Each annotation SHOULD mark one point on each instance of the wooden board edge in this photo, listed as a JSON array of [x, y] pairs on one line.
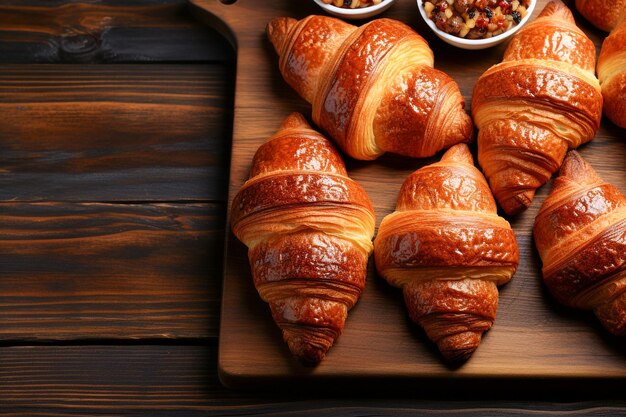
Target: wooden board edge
[[216, 15], [213, 12]]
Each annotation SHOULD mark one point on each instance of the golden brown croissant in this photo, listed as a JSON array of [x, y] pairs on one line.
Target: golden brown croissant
[[541, 100], [448, 249], [604, 14], [580, 233], [373, 88], [309, 229], [612, 74]]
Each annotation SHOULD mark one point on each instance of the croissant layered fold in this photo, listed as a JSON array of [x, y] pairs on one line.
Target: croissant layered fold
[[309, 229], [580, 233], [372, 88], [447, 248], [612, 74], [542, 100]]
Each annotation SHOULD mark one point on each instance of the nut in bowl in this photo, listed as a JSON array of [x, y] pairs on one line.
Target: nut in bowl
[[354, 9], [475, 24]]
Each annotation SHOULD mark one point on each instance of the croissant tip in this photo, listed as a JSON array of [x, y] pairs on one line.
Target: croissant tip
[[577, 169], [277, 30], [307, 353], [517, 203], [458, 348], [572, 162], [459, 153], [557, 7], [294, 120], [612, 315], [458, 357]]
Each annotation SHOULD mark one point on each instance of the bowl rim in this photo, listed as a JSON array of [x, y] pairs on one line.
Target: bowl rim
[[353, 12], [464, 41]]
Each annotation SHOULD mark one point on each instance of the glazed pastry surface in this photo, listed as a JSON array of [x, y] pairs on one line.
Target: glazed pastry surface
[[448, 249], [542, 100], [612, 74], [580, 233], [308, 228], [373, 88]]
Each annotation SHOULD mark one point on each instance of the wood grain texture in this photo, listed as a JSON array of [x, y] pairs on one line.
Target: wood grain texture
[[137, 31], [178, 378], [532, 337], [114, 132], [170, 380], [89, 380], [88, 271]]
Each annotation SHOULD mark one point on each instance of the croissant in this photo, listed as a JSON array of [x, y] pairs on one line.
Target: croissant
[[309, 229], [541, 100], [604, 14], [448, 249], [612, 74], [373, 88], [580, 233]]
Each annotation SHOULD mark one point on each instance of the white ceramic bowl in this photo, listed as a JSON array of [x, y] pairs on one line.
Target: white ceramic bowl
[[356, 13], [475, 43]]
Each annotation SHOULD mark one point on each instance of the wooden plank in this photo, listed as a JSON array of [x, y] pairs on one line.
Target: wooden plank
[[532, 337], [171, 380], [90, 380], [114, 132], [108, 31], [93, 271]]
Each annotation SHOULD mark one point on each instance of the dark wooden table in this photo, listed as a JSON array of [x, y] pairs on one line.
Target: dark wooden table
[[115, 125]]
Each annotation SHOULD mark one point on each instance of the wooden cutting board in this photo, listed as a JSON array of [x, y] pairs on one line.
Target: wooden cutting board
[[532, 336]]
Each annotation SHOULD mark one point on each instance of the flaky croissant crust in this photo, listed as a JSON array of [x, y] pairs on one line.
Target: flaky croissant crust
[[445, 217], [612, 74], [447, 248], [372, 88], [580, 233], [308, 228], [542, 100]]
